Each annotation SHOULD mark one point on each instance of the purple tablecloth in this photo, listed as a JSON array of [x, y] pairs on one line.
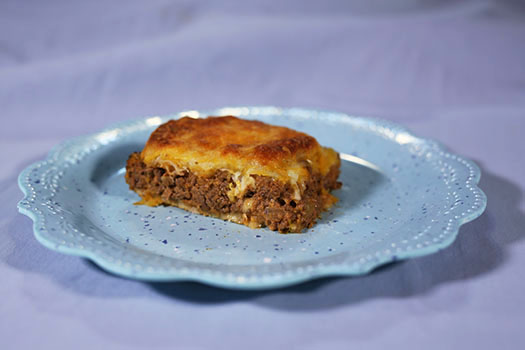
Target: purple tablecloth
[[450, 70]]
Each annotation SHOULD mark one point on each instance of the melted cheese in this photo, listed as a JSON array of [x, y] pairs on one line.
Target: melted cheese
[[243, 147]]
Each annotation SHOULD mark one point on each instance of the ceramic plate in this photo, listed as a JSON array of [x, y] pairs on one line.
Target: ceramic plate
[[402, 197]]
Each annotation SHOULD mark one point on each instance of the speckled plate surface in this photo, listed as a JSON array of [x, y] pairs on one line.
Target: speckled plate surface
[[402, 197]]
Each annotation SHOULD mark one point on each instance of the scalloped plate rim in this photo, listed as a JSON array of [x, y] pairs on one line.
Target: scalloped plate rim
[[270, 281]]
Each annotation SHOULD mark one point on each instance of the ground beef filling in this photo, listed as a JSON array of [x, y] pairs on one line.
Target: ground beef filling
[[271, 203]]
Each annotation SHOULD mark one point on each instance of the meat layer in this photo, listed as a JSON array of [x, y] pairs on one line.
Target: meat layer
[[266, 202]]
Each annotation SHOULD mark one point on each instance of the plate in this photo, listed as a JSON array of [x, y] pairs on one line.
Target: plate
[[402, 197]]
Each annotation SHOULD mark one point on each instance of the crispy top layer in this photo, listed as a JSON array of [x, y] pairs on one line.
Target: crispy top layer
[[246, 146]]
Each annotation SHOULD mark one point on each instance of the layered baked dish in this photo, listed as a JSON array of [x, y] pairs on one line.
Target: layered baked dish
[[244, 171]]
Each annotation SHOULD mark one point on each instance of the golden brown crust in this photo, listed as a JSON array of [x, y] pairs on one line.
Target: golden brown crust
[[231, 135], [238, 145]]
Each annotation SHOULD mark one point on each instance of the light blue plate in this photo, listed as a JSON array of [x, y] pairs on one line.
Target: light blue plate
[[402, 197]]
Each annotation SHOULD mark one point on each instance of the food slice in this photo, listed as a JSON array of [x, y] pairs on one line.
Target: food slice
[[245, 171]]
